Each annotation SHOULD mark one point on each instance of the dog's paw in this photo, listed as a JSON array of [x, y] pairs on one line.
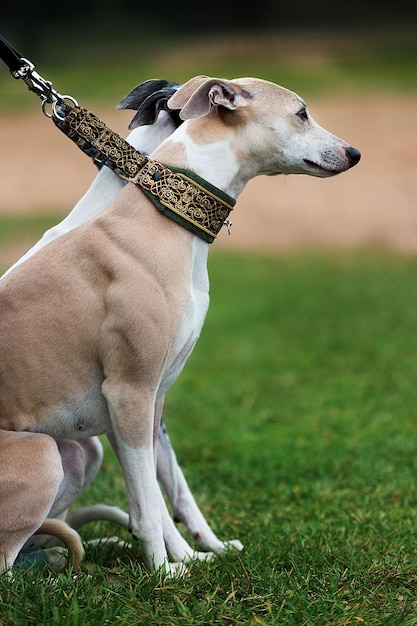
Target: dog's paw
[[198, 556], [56, 557], [174, 570], [233, 544]]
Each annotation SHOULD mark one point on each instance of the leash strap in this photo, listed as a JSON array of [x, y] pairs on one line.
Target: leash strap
[[98, 141], [183, 196], [10, 56]]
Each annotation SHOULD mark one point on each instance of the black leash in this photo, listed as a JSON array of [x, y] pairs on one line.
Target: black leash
[[181, 195], [10, 56]]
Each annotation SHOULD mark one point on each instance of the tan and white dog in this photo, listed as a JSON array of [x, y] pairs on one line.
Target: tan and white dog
[[97, 325], [81, 460]]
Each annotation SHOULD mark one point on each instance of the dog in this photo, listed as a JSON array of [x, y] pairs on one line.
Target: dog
[[151, 124], [100, 322]]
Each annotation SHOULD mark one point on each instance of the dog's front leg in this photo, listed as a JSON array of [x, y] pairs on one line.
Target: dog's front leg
[[144, 504], [134, 449], [184, 506], [178, 548]]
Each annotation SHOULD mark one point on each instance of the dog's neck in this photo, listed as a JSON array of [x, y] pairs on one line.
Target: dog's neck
[[215, 161], [184, 196]]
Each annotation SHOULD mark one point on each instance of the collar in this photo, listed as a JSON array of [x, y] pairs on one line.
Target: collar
[[186, 198], [179, 194]]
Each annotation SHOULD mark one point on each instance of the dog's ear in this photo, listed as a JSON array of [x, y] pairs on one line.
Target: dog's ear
[[148, 99], [196, 97], [183, 94]]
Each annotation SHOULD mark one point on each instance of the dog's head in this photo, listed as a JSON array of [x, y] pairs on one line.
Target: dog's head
[[272, 125]]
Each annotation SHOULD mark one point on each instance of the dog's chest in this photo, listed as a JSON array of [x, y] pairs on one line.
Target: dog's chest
[[192, 318]]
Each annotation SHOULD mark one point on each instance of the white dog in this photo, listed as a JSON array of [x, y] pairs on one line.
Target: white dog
[[99, 323]]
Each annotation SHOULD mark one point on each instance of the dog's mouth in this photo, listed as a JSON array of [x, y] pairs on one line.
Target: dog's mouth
[[324, 171]]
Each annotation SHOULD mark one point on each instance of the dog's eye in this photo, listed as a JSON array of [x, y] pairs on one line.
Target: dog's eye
[[302, 114]]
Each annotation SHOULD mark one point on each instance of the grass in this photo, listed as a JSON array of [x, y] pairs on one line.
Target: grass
[[294, 422], [26, 227]]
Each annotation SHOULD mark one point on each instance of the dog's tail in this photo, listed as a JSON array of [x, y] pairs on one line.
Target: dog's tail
[[70, 538]]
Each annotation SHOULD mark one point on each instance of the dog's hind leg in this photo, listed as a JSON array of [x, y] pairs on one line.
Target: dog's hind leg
[[184, 506], [28, 488], [81, 460]]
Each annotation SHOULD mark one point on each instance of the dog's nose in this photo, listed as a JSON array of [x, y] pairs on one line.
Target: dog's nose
[[353, 155]]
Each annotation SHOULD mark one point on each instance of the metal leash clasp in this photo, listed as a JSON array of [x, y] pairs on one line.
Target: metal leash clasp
[[35, 82], [43, 88]]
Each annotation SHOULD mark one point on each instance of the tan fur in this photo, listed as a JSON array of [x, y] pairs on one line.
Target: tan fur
[[26, 454], [71, 539], [125, 271]]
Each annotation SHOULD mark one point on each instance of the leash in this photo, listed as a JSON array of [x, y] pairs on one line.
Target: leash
[[180, 194]]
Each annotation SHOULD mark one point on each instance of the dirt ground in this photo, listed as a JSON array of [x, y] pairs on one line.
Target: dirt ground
[[373, 204]]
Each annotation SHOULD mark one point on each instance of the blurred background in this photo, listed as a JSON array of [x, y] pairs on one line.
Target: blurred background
[[107, 30], [355, 63]]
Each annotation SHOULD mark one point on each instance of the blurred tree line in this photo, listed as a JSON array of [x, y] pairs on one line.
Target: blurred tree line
[[35, 26]]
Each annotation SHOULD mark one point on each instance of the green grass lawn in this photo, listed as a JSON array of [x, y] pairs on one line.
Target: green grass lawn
[[294, 422]]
